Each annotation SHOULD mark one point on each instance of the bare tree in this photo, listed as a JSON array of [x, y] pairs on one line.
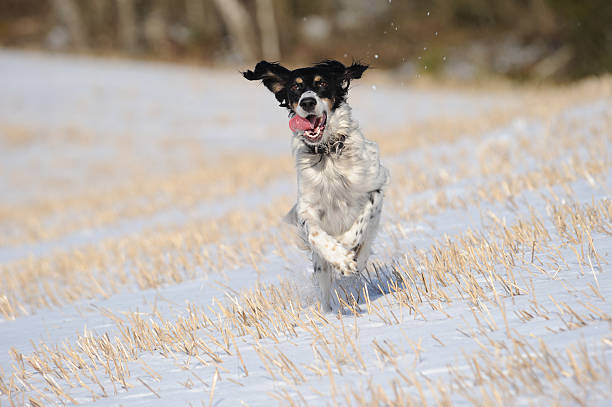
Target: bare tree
[[240, 27], [155, 28], [266, 20], [67, 13], [202, 18], [127, 25], [196, 14]]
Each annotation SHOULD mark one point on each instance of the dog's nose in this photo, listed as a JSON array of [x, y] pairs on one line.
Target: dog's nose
[[308, 104]]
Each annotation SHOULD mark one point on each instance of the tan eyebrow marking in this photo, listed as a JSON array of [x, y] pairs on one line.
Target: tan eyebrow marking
[[317, 78], [299, 80]]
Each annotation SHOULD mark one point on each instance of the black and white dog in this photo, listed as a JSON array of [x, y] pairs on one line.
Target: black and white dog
[[340, 177]]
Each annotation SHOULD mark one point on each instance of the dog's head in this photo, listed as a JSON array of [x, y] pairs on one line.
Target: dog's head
[[312, 93]]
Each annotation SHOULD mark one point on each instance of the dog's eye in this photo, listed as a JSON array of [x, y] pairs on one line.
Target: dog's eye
[[322, 84], [295, 87]]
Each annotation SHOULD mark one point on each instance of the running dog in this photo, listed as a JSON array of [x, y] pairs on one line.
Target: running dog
[[340, 177]]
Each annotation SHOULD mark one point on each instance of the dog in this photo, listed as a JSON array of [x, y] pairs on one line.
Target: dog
[[340, 177]]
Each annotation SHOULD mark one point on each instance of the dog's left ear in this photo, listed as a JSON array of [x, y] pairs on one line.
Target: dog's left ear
[[354, 71], [273, 75]]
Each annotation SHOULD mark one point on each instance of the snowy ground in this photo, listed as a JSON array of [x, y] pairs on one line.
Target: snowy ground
[[142, 259]]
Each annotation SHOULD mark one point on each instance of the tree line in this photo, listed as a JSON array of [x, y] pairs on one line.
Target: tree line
[[562, 39]]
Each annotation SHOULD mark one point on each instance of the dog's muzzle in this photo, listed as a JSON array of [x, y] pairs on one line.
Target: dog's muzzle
[[312, 126], [310, 117]]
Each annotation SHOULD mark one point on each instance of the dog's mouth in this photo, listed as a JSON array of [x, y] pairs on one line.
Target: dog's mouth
[[313, 126]]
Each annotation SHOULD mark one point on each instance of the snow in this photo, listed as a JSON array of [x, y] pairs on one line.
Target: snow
[[90, 125]]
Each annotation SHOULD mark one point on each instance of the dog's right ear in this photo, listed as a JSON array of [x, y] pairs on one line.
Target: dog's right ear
[[273, 75]]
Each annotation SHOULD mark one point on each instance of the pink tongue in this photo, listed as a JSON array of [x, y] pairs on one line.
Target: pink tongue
[[298, 123]]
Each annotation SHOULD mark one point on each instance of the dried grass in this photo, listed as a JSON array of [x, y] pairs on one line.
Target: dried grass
[[484, 270]]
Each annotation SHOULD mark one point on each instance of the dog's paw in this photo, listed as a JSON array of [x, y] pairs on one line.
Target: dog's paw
[[347, 266]]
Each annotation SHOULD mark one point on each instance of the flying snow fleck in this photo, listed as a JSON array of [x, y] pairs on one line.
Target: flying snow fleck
[[375, 56], [373, 87]]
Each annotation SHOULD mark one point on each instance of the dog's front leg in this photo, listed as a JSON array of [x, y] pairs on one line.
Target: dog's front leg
[[326, 246], [353, 237]]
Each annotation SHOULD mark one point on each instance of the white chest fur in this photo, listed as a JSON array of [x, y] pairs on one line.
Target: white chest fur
[[329, 189], [335, 187]]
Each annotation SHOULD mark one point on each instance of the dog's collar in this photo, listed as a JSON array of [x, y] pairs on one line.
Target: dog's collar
[[333, 146]]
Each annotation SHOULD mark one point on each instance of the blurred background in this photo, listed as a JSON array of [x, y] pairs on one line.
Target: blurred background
[[551, 40]]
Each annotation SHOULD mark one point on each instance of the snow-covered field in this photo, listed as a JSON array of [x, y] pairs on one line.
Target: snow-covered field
[[143, 260]]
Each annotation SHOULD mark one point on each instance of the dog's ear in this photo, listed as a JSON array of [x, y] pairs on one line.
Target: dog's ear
[[337, 68], [354, 71], [273, 75]]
